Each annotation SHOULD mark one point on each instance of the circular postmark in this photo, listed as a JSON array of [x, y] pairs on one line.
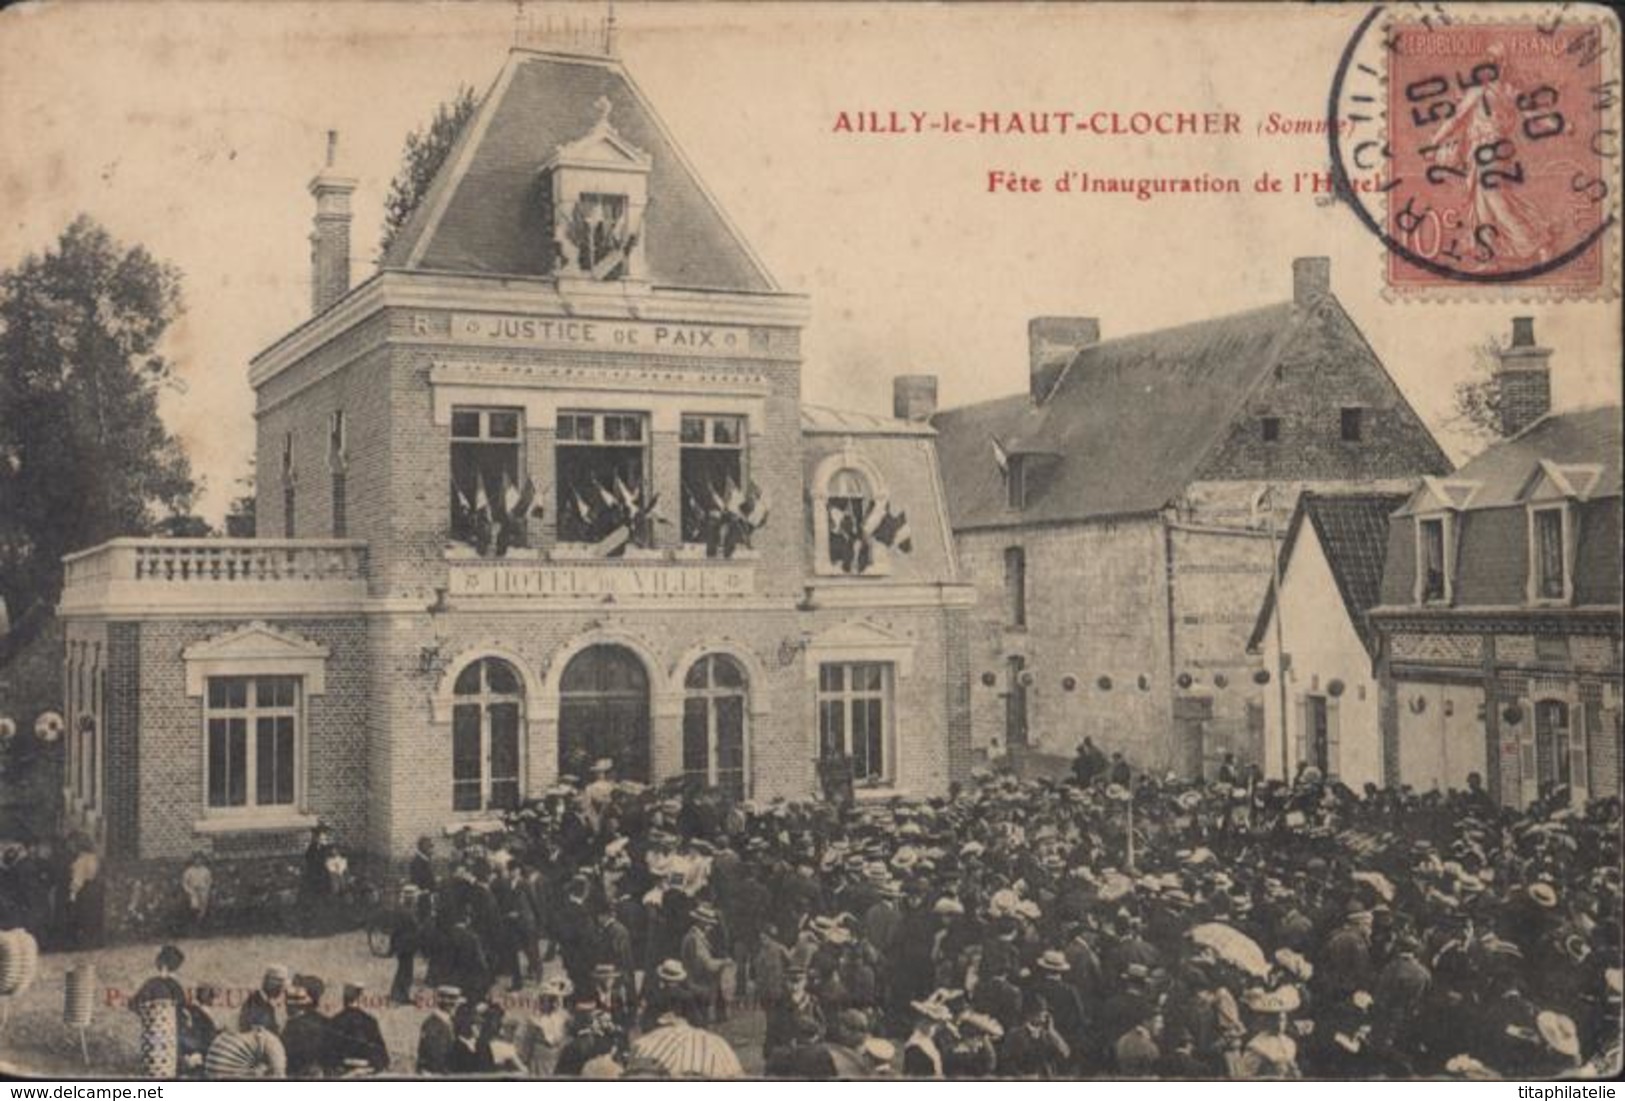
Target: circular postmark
[[1479, 151]]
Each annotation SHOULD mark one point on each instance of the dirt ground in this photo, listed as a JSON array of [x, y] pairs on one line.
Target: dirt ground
[[35, 1041]]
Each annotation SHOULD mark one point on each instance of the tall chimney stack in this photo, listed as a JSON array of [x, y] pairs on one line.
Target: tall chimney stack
[[330, 237], [1523, 378], [1311, 279], [914, 397], [1052, 343]]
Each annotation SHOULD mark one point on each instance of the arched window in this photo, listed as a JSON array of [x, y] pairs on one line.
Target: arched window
[[849, 503], [604, 712], [487, 715], [714, 707]]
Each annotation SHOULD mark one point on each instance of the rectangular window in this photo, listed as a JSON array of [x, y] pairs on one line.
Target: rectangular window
[[1015, 482], [602, 475], [1551, 564], [1353, 423], [1015, 586], [854, 716], [713, 475], [1270, 429], [485, 463], [253, 739], [1432, 563], [341, 520]]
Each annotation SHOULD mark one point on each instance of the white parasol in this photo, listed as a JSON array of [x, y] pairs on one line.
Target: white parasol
[[1377, 882], [688, 1052], [1232, 946]]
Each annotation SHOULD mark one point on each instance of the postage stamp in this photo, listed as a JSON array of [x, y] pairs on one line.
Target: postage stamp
[[1499, 143]]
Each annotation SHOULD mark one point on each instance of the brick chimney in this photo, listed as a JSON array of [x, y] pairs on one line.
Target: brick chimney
[[330, 238], [1311, 279], [914, 397], [1052, 342], [1523, 378]]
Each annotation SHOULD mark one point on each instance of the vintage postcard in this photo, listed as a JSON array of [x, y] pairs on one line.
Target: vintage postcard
[[804, 541]]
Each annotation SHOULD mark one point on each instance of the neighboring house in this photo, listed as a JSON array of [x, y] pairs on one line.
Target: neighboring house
[[1331, 575], [1500, 618], [1117, 517], [539, 492]]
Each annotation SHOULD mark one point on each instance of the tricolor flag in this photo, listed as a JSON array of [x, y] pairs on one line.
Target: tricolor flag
[[894, 531], [1001, 456]]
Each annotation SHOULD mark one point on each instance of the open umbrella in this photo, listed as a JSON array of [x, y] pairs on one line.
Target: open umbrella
[[1232, 946], [688, 1052]]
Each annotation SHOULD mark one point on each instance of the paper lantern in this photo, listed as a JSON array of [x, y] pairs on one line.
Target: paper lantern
[[1105, 683], [1334, 688], [79, 995], [989, 680], [1512, 713], [1026, 678], [1144, 683], [1220, 680], [160, 1052], [1185, 680], [19, 961], [1418, 704], [1069, 683], [1261, 677]]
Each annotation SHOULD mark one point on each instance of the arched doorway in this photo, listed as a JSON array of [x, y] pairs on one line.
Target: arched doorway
[[604, 712], [715, 696]]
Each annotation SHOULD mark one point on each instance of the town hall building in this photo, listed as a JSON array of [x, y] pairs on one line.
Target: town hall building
[[539, 492]]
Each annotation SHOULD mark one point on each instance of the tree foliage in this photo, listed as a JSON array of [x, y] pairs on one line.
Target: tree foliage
[[425, 151], [1476, 405], [84, 456]]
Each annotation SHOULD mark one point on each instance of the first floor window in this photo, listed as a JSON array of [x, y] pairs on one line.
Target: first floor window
[[1015, 586], [713, 475], [602, 463], [854, 716], [253, 735], [485, 466], [486, 719]]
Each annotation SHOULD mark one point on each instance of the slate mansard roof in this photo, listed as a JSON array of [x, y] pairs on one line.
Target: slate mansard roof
[[1501, 473], [1129, 421], [1353, 533], [484, 212]]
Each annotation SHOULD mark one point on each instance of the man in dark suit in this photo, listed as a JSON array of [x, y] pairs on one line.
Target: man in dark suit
[[421, 871], [264, 1007], [305, 1036], [355, 1040], [437, 1037]]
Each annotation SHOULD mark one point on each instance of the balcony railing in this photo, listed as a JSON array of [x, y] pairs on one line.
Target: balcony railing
[[157, 575]]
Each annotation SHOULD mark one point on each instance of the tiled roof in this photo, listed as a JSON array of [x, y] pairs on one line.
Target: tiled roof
[[1353, 533], [1128, 424], [820, 419], [483, 213]]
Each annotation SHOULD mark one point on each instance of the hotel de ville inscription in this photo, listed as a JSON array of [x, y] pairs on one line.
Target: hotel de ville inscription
[[564, 582]]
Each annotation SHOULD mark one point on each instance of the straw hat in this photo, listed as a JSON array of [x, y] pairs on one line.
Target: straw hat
[[672, 971], [1282, 1000], [1544, 895], [1053, 960], [1559, 1033], [933, 1008]]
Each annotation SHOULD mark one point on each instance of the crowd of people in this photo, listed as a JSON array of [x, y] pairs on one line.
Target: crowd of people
[[1111, 925]]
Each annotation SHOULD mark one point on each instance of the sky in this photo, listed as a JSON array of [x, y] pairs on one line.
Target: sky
[[193, 128]]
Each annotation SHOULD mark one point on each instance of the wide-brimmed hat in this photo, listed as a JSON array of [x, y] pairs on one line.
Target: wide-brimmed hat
[[1295, 964], [556, 987], [948, 905], [277, 973], [933, 1008], [1281, 1000], [1559, 1033], [608, 970], [1543, 894], [448, 994], [982, 1023], [672, 971], [706, 914], [1054, 960], [878, 1050]]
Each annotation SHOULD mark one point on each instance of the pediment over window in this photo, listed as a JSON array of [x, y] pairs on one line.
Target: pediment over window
[[1560, 482], [860, 640], [596, 190], [257, 649], [600, 147], [1442, 495]]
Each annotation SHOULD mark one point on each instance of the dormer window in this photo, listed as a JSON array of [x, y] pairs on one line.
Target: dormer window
[[854, 527], [1549, 554], [1432, 560], [1015, 482], [596, 190]]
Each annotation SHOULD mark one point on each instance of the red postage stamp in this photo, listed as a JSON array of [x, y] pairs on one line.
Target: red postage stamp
[[1501, 149]]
